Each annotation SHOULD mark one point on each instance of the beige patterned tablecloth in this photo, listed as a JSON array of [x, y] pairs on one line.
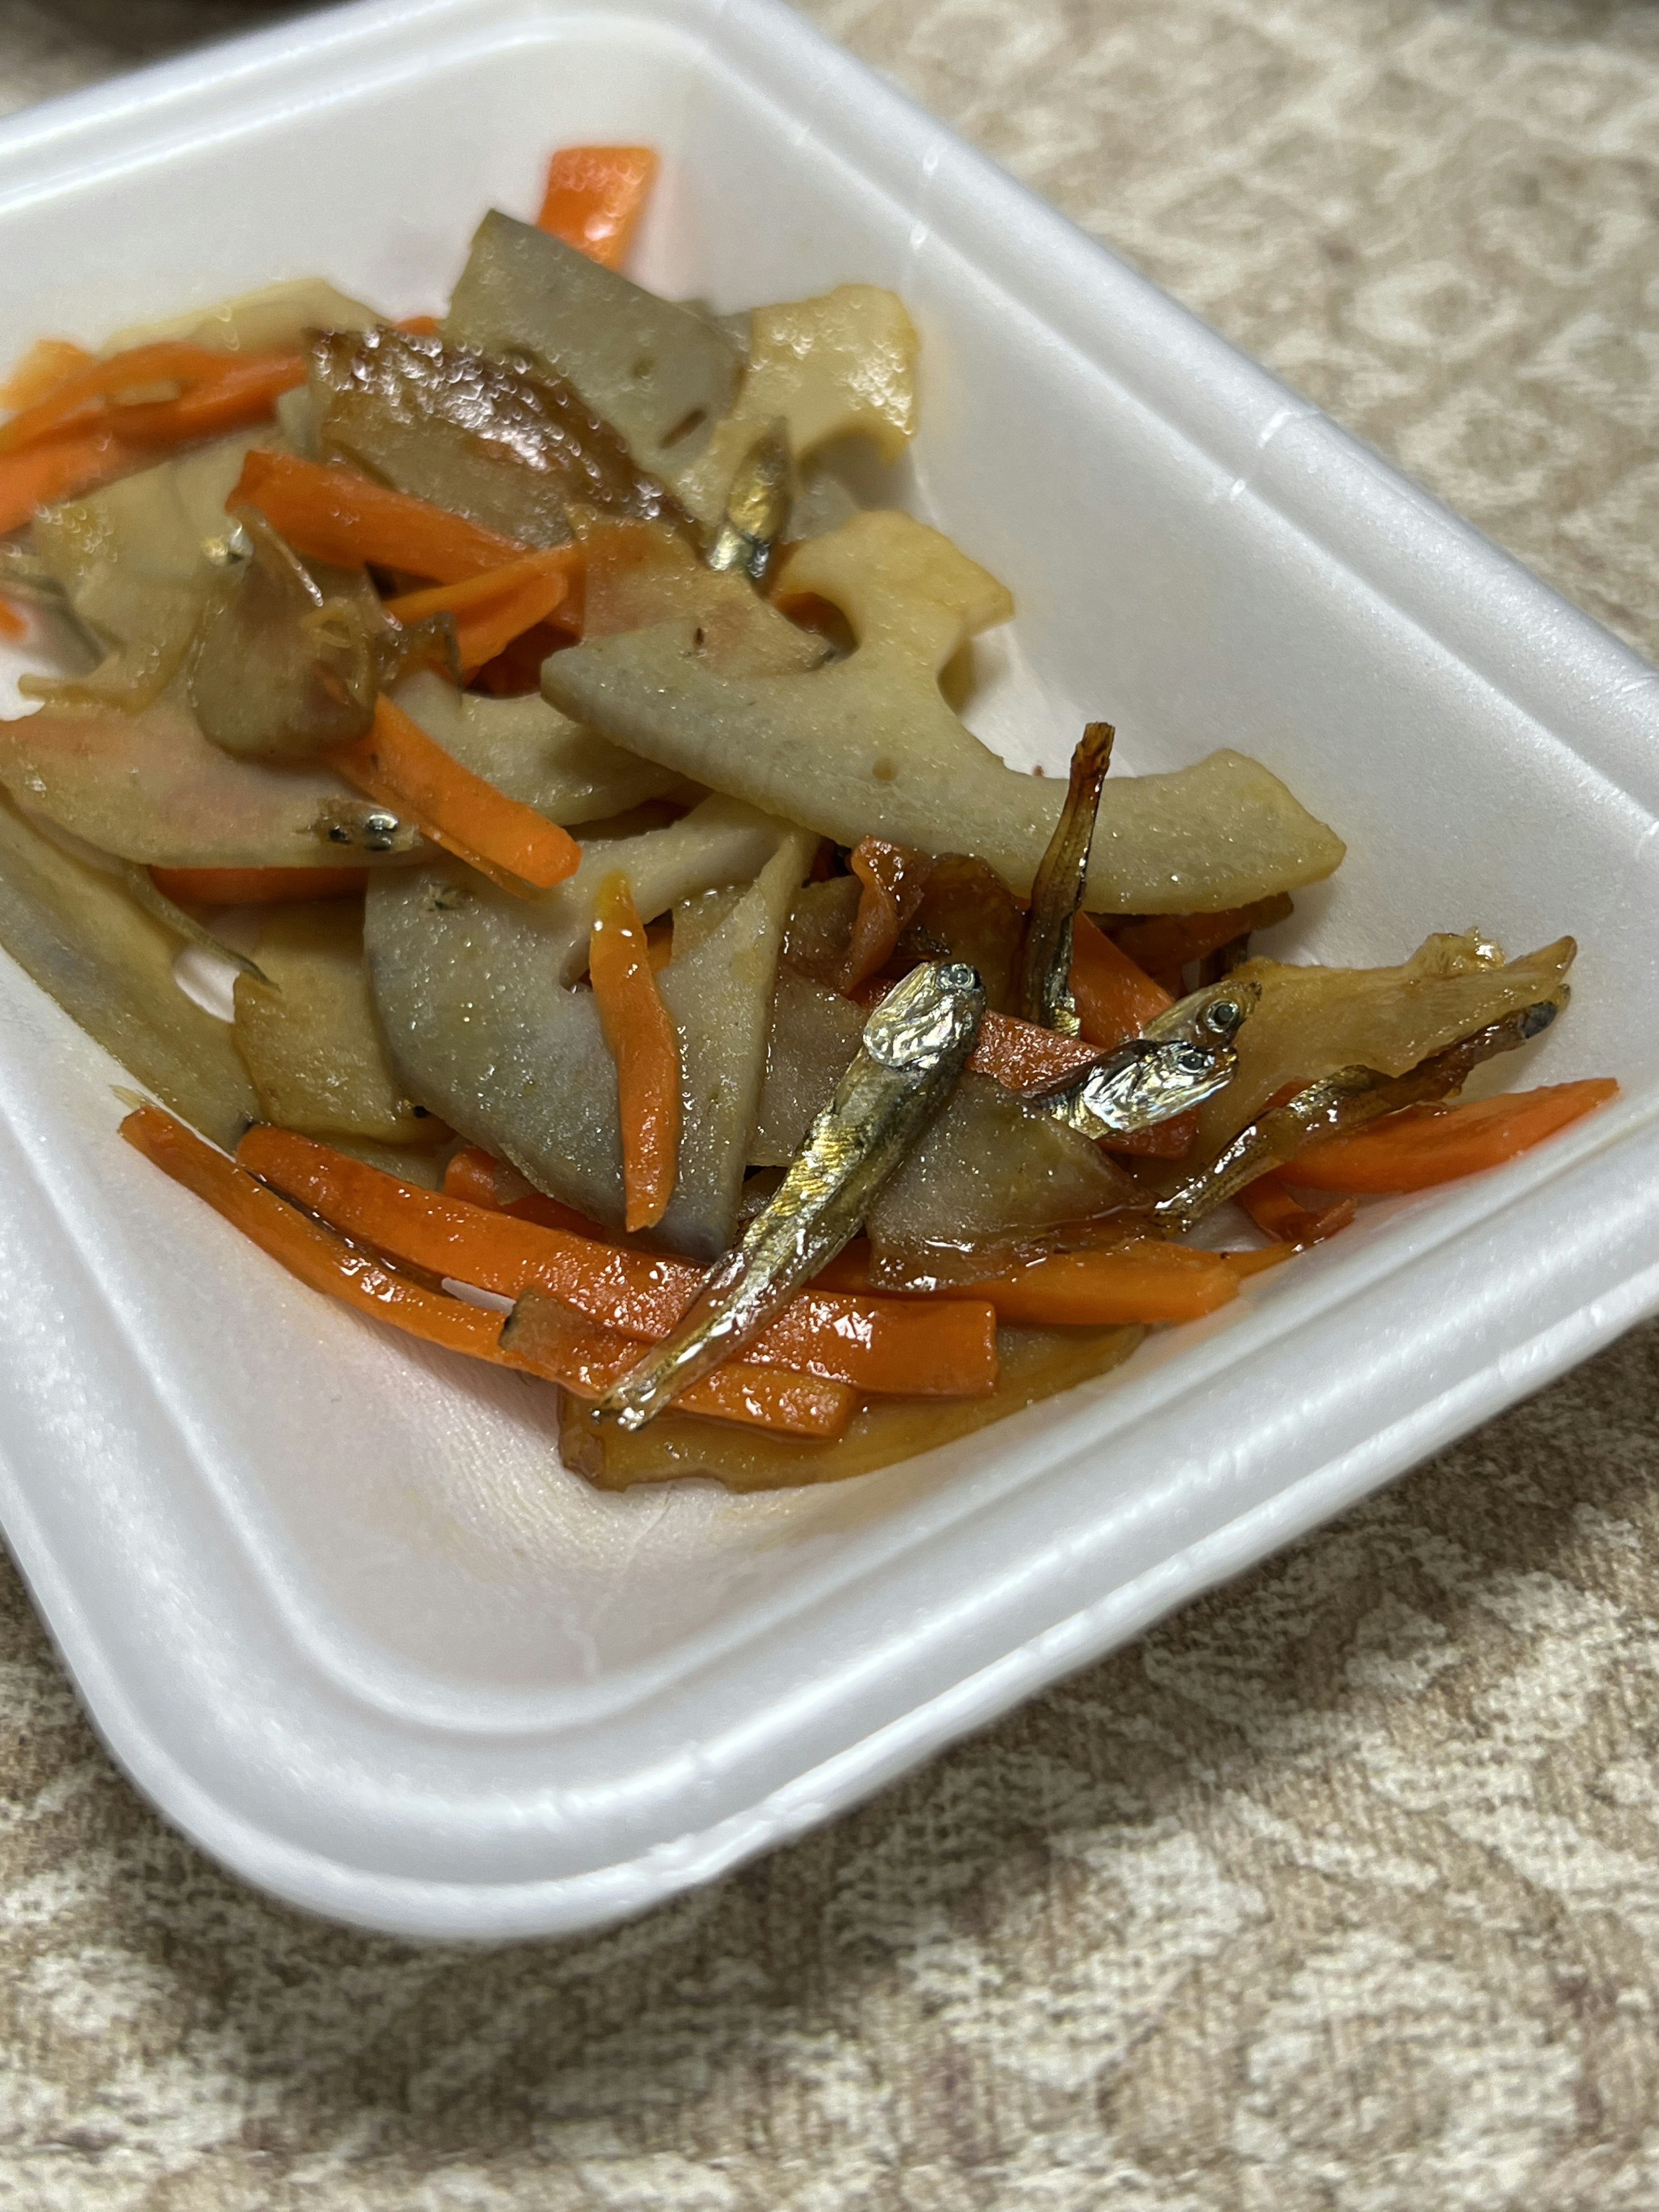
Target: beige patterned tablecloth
[[1339, 1893]]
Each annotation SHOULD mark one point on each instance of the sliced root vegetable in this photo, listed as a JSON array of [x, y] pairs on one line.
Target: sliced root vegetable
[[492, 610], [472, 1174], [594, 197], [646, 1049], [1145, 1282], [319, 1257], [1167, 942], [399, 766], [40, 475], [335, 514], [551, 1339], [1116, 998], [1276, 1213], [875, 1344], [1428, 1144], [258, 886]]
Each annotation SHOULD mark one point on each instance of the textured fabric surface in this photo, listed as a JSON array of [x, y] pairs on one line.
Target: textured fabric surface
[[1341, 1892]]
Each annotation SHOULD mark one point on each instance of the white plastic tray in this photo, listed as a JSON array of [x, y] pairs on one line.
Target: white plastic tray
[[331, 1601]]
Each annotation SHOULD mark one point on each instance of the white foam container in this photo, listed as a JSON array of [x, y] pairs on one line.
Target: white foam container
[[329, 1598]]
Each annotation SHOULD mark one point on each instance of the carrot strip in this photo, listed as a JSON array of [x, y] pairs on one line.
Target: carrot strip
[[1423, 1145], [594, 199], [550, 1338], [44, 474], [317, 1256], [41, 370], [12, 624], [84, 395], [1115, 998], [1168, 941], [330, 514], [1145, 1281], [912, 1347], [245, 390], [1255, 1263], [1164, 1140], [645, 1049], [1024, 1057], [1276, 1214], [257, 886], [418, 326], [891, 881], [797, 1405], [399, 765], [474, 1175], [490, 610]]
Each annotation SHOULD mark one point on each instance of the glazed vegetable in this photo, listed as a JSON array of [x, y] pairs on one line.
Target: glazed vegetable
[[1277, 1214], [868, 746], [490, 611], [594, 197], [337, 515], [396, 765], [1142, 1280], [1114, 998], [1426, 1145], [480, 998], [258, 886], [643, 1045], [1057, 890], [885, 1344], [913, 1049]]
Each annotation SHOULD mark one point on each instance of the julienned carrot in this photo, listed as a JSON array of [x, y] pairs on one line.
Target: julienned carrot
[[12, 624], [399, 766], [595, 197], [61, 469], [1146, 1281], [41, 370], [645, 1049], [797, 1405], [84, 396], [1164, 1140], [1276, 1213], [490, 610], [1256, 1262], [1168, 941], [910, 1347], [305, 1248], [330, 514], [474, 1175], [244, 389], [1115, 998], [1424, 1146], [551, 1339], [257, 886]]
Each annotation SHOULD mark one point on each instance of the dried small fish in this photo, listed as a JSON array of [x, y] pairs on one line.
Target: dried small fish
[[1213, 1014], [915, 1045], [1045, 976], [1183, 1058], [183, 926], [1342, 1101], [756, 508]]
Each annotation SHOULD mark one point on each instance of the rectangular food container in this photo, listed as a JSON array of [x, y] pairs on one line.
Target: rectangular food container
[[328, 1595]]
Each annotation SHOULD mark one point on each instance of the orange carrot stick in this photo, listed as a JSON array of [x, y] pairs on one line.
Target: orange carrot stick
[[41, 370], [490, 610], [1255, 1263], [1276, 1213], [12, 624], [913, 1347], [551, 1339], [1145, 1281], [64, 469], [798, 1405], [1115, 998], [244, 391], [473, 1175], [83, 397], [330, 514], [257, 886], [595, 197], [305, 1248], [396, 765], [1423, 1145], [645, 1049], [1024, 1057]]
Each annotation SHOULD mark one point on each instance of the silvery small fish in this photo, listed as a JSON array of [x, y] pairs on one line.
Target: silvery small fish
[[1045, 974], [914, 1047], [1345, 1101], [756, 508], [1183, 1058]]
